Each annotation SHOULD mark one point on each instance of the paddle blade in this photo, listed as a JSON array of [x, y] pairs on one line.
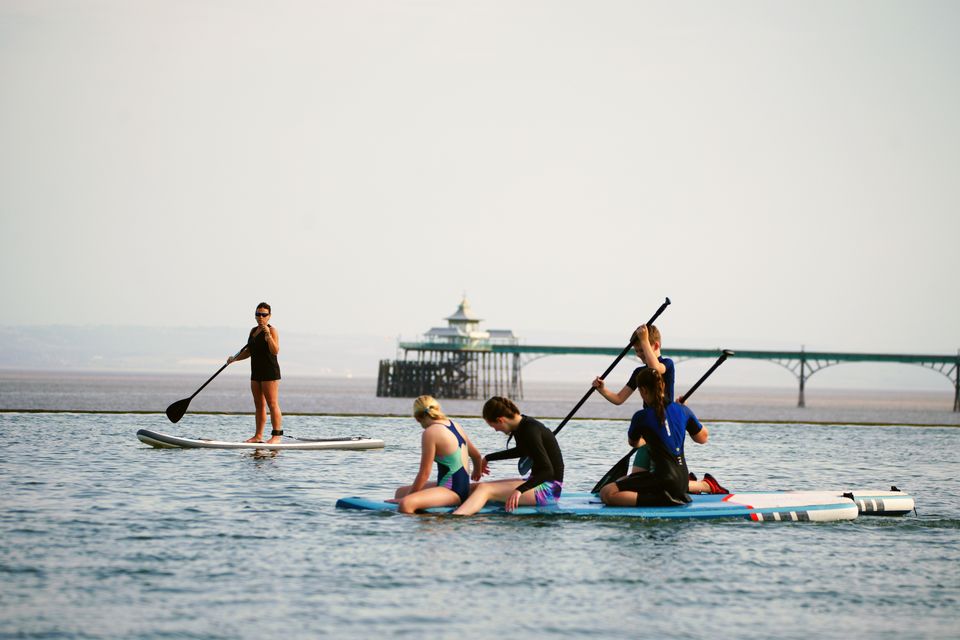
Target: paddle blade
[[618, 471], [177, 409], [524, 466]]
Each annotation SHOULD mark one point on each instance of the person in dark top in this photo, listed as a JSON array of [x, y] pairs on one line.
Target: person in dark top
[[647, 346], [263, 345], [534, 441], [663, 426]]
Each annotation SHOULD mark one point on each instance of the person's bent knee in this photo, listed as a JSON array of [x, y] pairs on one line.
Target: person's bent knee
[[608, 491], [406, 506]]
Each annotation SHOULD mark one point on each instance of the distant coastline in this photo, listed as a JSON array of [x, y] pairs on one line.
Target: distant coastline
[[139, 392]]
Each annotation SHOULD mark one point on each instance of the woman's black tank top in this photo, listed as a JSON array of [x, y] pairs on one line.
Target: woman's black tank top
[[263, 363]]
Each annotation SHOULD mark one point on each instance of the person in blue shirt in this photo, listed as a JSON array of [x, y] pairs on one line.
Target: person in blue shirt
[[647, 345], [663, 425]]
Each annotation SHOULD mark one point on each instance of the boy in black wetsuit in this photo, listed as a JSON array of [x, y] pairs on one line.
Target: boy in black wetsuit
[[534, 441]]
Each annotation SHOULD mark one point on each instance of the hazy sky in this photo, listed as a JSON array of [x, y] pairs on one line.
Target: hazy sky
[[786, 172]]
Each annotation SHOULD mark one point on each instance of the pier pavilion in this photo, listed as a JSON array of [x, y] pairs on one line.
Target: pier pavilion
[[461, 361]]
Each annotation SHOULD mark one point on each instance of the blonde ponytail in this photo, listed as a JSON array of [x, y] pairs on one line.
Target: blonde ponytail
[[427, 407]]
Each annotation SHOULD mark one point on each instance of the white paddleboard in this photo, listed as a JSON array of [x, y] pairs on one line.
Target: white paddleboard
[[167, 441]]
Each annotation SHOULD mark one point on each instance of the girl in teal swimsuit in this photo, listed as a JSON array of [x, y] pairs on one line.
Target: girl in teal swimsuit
[[445, 443]]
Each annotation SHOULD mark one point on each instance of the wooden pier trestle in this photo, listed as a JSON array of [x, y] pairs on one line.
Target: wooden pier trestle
[[452, 374], [460, 360]]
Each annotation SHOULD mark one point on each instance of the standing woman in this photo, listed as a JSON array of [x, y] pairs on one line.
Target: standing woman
[[446, 443], [262, 348]]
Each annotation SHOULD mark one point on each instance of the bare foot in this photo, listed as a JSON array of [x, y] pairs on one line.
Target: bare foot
[[254, 439], [275, 440]]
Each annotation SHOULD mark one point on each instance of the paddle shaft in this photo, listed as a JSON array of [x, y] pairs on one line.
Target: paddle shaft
[[620, 468], [176, 410], [525, 463], [726, 353], [217, 373], [612, 366]]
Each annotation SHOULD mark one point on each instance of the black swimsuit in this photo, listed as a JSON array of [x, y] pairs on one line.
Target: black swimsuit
[[263, 363]]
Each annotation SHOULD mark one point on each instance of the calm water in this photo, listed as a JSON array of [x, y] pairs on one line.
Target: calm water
[[103, 537]]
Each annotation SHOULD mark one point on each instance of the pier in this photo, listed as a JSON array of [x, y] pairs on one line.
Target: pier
[[460, 361]]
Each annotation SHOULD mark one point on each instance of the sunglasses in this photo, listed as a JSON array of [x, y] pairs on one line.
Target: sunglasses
[[261, 315]]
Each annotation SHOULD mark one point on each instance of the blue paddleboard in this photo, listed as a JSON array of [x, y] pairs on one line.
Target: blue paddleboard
[[814, 506]]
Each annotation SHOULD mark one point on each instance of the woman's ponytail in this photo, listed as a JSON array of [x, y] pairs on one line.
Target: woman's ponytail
[[651, 380]]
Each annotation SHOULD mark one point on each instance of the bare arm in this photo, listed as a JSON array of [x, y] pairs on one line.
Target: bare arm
[[649, 356], [272, 337], [428, 447], [243, 355], [701, 437], [474, 454], [615, 398]]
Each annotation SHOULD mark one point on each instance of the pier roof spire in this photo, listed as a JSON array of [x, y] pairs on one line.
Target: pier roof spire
[[464, 314]]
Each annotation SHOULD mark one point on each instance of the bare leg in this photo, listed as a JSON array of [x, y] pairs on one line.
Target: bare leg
[[612, 495], [271, 397], [497, 491], [426, 498], [404, 491], [698, 486], [260, 411]]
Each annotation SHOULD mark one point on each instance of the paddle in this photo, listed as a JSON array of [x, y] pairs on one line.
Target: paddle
[[178, 408], [526, 463], [620, 469]]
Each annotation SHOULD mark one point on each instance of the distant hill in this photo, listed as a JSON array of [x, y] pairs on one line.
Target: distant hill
[[151, 349], [204, 349]]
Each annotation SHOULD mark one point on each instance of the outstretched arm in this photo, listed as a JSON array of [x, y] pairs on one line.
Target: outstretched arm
[[615, 398]]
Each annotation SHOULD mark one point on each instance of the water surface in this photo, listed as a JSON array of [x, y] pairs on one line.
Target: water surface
[[104, 537]]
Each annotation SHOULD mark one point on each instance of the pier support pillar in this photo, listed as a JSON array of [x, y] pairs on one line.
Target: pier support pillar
[[801, 402], [956, 384]]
